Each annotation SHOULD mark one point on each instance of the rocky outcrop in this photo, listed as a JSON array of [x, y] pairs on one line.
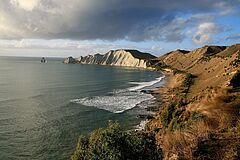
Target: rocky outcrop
[[70, 60], [125, 58]]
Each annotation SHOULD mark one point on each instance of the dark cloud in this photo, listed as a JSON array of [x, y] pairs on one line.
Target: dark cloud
[[135, 20]]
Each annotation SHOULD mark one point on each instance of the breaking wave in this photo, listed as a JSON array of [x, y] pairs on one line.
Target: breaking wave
[[119, 101], [141, 85]]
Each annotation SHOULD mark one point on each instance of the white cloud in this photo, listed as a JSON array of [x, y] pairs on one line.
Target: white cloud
[[8, 28], [233, 37], [70, 46], [27, 5], [205, 33], [156, 48]]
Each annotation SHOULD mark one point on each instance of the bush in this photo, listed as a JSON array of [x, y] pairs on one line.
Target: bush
[[234, 82], [167, 114], [188, 81], [113, 143], [176, 71], [238, 127]]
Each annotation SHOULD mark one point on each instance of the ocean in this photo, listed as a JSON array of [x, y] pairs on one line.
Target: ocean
[[44, 107]]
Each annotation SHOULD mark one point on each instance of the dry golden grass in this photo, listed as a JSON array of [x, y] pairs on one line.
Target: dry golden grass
[[215, 71], [220, 107], [221, 110], [217, 133], [181, 144]]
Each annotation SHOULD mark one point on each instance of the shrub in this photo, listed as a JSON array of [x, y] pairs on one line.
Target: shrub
[[113, 143], [176, 71], [159, 66], [188, 81], [173, 124], [205, 58], [238, 127], [238, 56], [193, 118], [167, 114], [234, 82]]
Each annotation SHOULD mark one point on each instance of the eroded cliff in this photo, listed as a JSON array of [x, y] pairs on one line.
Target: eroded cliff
[[125, 58]]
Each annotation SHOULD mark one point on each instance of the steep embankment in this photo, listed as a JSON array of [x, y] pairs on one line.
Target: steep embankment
[[125, 58], [201, 104]]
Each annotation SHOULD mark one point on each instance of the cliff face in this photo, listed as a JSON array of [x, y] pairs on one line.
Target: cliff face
[[70, 60], [125, 58]]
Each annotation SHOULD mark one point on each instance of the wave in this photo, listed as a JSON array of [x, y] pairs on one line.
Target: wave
[[142, 85], [121, 100], [116, 102]]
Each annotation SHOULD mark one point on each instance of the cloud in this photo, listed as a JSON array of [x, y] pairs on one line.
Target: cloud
[[135, 20], [27, 5], [175, 30], [233, 37], [225, 8], [77, 47], [205, 33]]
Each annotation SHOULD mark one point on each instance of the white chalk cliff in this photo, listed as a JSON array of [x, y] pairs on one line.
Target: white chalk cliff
[[125, 58]]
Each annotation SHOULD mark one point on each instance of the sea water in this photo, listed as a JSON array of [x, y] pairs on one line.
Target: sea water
[[44, 107]]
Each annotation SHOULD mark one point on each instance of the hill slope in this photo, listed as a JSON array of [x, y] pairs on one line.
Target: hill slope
[[200, 108], [212, 65]]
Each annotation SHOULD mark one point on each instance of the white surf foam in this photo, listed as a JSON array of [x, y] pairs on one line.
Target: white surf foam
[[119, 101], [116, 102], [142, 85]]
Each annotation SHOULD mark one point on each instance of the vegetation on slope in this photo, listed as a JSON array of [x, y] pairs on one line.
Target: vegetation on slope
[[194, 129], [203, 123], [113, 143]]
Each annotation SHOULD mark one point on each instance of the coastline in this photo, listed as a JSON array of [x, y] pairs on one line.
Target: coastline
[[197, 106], [194, 117], [160, 95]]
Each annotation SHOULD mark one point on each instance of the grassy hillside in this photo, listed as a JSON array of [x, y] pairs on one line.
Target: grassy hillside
[[200, 116]]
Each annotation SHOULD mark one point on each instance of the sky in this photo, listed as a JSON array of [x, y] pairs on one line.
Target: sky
[[61, 28]]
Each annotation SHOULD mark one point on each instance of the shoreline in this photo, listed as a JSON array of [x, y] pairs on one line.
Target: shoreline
[[193, 118], [158, 94]]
